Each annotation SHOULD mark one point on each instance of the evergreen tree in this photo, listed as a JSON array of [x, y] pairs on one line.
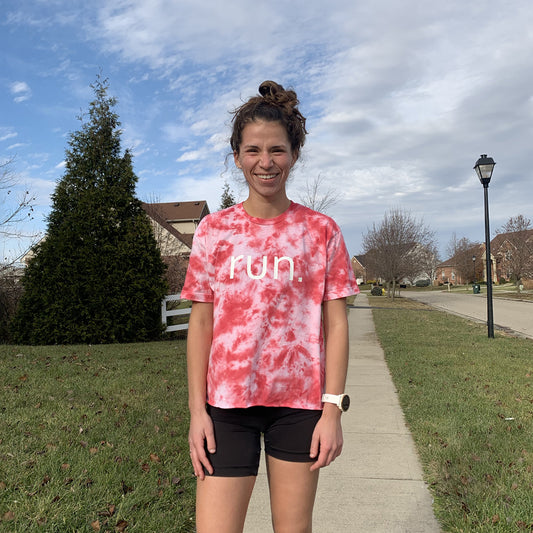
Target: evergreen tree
[[227, 199], [97, 277]]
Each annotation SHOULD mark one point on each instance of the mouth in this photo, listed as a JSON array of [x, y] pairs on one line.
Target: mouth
[[266, 177]]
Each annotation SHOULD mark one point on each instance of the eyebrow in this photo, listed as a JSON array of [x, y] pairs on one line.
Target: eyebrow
[[275, 147]]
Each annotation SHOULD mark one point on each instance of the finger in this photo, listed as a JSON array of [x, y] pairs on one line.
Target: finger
[[321, 460], [201, 461], [315, 445], [210, 441]]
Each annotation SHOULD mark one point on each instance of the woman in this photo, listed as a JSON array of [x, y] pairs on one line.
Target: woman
[[268, 333]]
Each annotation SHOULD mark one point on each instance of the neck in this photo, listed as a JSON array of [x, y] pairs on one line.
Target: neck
[[263, 208]]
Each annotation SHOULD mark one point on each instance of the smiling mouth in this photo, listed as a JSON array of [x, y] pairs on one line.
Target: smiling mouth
[[266, 177]]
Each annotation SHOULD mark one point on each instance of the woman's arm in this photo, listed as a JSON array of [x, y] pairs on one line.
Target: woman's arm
[[199, 338], [327, 438]]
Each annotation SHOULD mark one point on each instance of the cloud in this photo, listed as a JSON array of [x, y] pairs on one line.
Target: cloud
[[7, 133], [401, 98], [195, 155], [21, 91]]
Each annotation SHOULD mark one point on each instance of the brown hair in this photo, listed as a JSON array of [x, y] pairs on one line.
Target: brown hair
[[275, 104]]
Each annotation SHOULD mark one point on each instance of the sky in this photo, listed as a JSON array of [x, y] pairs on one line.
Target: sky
[[401, 99]]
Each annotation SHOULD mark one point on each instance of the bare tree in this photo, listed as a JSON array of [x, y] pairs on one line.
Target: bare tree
[[516, 248], [315, 199], [15, 209], [398, 248]]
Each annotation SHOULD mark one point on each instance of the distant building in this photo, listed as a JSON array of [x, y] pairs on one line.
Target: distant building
[[174, 224], [359, 269]]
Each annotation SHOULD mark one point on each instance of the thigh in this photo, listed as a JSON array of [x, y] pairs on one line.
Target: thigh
[[292, 495], [289, 433], [238, 442], [221, 503]]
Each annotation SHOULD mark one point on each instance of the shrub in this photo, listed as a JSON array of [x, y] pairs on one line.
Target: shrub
[[376, 291], [10, 294]]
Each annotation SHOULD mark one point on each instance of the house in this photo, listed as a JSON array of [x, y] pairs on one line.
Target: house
[[464, 267], [174, 224], [513, 254], [359, 269]]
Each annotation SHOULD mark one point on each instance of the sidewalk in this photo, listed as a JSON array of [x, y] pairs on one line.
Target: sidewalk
[[376, 485]]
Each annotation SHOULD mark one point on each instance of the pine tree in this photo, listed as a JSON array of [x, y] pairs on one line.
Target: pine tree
[[97, 277], [227, 199]]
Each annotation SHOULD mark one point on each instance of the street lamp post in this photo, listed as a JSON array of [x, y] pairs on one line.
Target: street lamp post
[[474, 261], [484, 167]]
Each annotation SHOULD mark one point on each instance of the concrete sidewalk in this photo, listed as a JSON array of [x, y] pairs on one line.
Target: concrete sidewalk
[[376, 484]]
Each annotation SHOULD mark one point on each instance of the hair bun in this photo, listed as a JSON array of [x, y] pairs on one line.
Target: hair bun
[[270, 89], [275, 94]]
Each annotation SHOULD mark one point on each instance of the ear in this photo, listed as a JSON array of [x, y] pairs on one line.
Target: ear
[[295, 157], [236, 159]]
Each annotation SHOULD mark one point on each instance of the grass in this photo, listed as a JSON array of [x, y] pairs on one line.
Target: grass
[[468, 401], [94, 438]]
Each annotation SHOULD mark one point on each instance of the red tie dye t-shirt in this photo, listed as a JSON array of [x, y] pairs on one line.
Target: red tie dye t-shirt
[[267, 279]]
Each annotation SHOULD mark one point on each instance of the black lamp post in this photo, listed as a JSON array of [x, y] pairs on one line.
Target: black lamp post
[[484, 167], [474, 261]]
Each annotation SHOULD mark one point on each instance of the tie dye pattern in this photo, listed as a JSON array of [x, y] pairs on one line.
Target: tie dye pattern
[[267, 280]]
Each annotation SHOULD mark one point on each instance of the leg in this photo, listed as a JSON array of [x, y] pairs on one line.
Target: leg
[[292, 495], [222, 502]]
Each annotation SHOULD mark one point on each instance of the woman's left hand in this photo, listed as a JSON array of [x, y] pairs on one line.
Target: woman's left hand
[[327, 440]]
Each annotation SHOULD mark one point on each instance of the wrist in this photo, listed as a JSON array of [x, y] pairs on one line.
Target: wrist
[[197, 407], [331, 410], [341, 401]]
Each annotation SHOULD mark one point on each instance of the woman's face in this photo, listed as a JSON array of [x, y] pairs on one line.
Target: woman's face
[[265, 158]]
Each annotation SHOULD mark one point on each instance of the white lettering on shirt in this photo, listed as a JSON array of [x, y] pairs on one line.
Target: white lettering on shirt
[[277, 260]]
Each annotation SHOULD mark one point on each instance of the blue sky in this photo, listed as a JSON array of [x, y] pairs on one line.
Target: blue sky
[[401, 99]]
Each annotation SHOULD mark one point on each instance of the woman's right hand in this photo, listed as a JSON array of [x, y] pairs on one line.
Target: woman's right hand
[[201, 433]]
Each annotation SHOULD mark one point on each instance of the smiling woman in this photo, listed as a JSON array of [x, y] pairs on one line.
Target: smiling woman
[[266, 159], [268, 134], [268, 335]]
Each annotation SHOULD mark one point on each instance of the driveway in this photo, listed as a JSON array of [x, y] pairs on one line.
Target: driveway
[[509, 314]]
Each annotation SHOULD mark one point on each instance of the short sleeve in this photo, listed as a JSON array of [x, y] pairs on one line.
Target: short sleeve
[[199, 280]]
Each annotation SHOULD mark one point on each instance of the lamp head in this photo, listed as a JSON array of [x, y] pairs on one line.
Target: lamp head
[[484, 167]]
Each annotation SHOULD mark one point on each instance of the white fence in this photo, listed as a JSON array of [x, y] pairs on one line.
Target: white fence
[[165, 313]]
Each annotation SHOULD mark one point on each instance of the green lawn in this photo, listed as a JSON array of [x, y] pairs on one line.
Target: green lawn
[[94, 438], [468, 401]]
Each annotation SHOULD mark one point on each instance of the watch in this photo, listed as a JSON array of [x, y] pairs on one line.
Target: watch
[[342, 401]]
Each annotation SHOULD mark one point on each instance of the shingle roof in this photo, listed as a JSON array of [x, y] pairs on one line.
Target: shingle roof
[[178, 211]]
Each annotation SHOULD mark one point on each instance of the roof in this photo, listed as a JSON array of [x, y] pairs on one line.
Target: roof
[[476, 249], [178, 211], [360, 259], [502, 237]]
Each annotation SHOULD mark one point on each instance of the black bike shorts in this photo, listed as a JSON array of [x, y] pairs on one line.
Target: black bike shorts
[[287, 436]]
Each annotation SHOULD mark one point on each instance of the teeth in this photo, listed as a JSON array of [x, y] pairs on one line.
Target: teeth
[[266, 176]]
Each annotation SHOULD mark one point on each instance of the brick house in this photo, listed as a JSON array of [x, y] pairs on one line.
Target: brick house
[[505, 247], [463, 269], [359, 269]]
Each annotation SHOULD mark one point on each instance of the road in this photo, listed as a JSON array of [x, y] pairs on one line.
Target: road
[[513, 315]]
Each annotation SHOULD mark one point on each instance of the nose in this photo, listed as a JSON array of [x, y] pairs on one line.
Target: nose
[[265, 159]]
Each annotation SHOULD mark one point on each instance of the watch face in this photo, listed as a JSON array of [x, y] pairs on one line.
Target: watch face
[[345, 403]]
